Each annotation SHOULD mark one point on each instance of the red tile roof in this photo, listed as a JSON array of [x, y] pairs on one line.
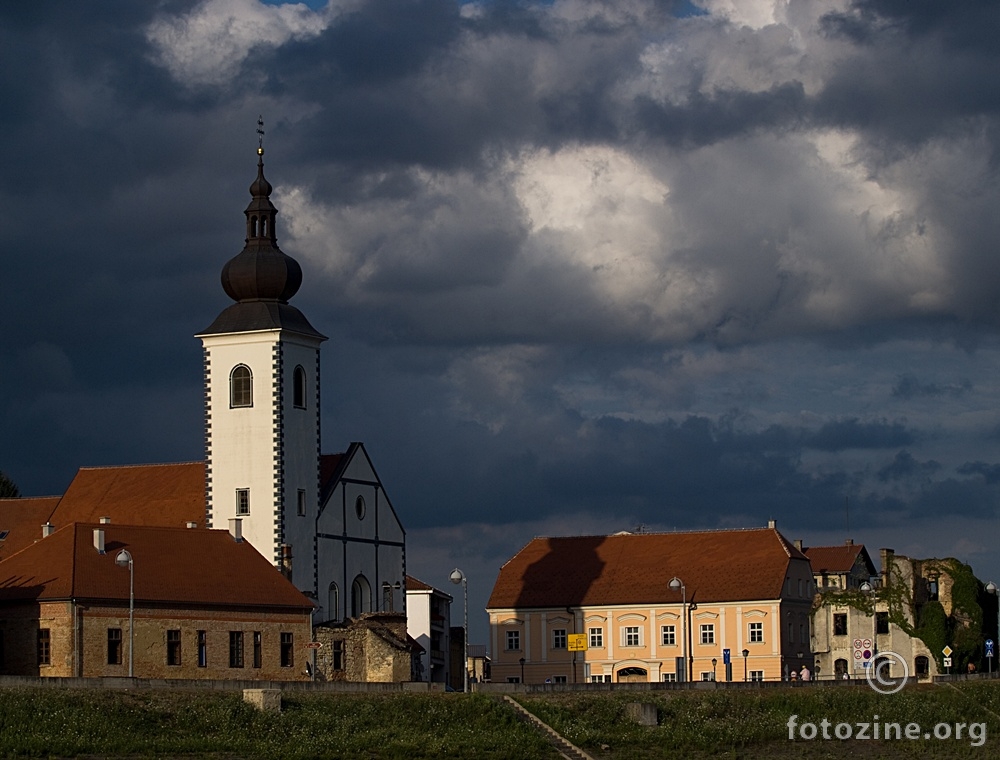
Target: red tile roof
[[412, 584], [22, 519], [171, 565], [153, 494], [836, 559], [715, 566]]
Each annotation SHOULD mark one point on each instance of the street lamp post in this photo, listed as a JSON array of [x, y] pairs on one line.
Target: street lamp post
[[746, 653], [124, 559], [869, 591], [994, 589], [676, 584], [522, 669], [715, 662], [457, 576]]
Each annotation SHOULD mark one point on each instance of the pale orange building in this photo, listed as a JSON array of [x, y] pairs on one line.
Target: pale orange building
[[737, 591]]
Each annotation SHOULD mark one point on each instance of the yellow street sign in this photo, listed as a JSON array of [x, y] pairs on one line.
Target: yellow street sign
[[576, 642]]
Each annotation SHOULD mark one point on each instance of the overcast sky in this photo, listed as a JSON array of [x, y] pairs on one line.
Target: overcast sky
[[584, 265]]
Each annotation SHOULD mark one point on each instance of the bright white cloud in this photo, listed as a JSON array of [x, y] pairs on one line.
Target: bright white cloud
[[208, 45]]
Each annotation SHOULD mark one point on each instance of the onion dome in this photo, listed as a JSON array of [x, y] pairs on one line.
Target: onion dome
[[261, 272]]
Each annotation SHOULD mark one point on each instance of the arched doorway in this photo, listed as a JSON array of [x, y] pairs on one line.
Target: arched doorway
[[633, 675], [840, 668], [361, 596], [922, 667]]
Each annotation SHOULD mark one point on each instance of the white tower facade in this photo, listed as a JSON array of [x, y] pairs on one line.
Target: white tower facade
[[262, 401]]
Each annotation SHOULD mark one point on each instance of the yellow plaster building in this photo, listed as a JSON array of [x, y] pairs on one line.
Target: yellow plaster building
[[652, 607]]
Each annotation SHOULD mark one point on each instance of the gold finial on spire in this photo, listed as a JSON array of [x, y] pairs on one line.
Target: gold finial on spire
[[260, 135]]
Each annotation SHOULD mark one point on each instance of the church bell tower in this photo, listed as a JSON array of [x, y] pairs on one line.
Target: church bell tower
[[262, 394]]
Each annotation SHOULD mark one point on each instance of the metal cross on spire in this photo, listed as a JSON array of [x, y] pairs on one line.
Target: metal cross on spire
[[260, 135]]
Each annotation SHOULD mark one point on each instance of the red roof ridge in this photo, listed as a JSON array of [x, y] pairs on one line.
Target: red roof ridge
[[137, 464]]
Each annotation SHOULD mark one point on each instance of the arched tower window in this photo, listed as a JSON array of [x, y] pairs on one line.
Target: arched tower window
[[253, 226], [240, 386], [361, 596], [263, 226], [333, 602], [299, 387]]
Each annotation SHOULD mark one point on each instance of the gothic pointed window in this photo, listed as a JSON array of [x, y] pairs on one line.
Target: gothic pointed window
[[299, 388], [240, 386]]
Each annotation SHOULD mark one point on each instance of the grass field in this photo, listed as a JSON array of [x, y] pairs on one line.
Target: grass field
[[693, 724]]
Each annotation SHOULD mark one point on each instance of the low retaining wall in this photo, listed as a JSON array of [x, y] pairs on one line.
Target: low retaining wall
[[13, 682]]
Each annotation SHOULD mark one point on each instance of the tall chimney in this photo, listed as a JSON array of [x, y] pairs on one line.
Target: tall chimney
[[286, 561], [798, 544], [105, 520], [99, 540], [48, 529], [849, 542], [191, 524], [772, 524], [236, 529], [886, 557]]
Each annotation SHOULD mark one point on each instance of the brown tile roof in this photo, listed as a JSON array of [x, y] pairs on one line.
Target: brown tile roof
[[412, 584], [169, 495], [22, 519], [836, 559], [715, 566], [172, 566]]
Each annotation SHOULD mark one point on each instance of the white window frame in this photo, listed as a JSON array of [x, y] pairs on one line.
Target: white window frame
[[756, 675], [668, 635], [596, 638], [632, 636], [670, 678], [558, 638], [707, 633], [755, 633], [515, 637], [242, 502]]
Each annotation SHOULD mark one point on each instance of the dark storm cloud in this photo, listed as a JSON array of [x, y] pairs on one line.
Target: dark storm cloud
[[909, 387], [574, 258]]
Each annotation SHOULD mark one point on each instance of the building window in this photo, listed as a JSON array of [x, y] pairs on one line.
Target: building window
[[114, 646], [359, 507], [882, 622], [633, 636], [258, 649], [558, 638], [596, 638], [922, 666], [791, 632], [756, 631], [173, 647], [287, 649], [802, 633], [240, 386], [300, 502], [513, 679], [668, 635], [708, 633], [44, 647], [513, 640], [932, 590], [558, 679], [756, 675], [338, 655], [236, 649], [299, 388], [706, 675], [242, 501], [840, 624], [670, 678], [202, 649], [600, 679]]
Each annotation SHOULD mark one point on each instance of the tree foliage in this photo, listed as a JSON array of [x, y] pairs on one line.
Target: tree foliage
[[8, 489]]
